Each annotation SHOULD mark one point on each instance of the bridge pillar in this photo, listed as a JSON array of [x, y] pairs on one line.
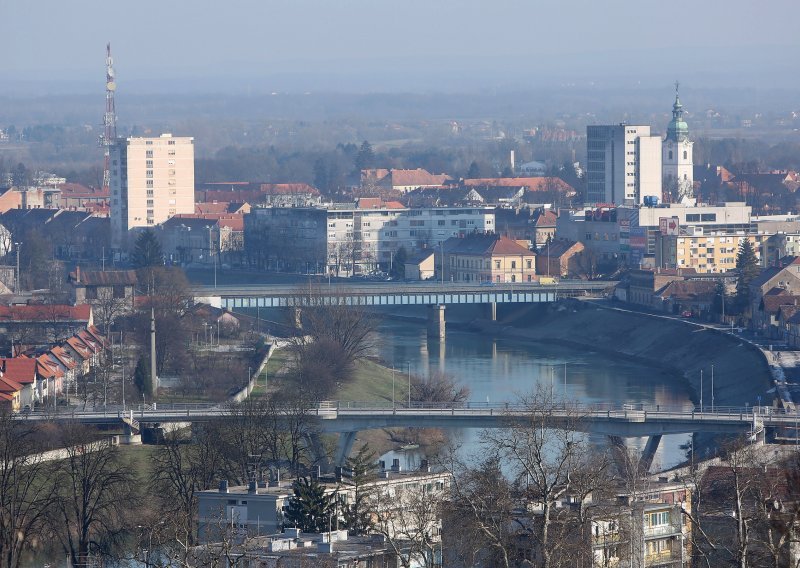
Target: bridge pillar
[[491, 311], [343, 447], [627, 461], [297, 317], [436, 321]]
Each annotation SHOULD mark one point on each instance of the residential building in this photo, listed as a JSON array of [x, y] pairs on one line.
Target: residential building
[[41, 324], [562, 258], [22, 371], [488, 258], [401, 180], [95, 287], [258, 508], [10, 395], [348, 240], [295, 549], [152, 179], [702, 251], [603, 232], [623, 165], [686, 296], [645, 223], [783, 278], [678, 167], [261, 194], [420, 266]]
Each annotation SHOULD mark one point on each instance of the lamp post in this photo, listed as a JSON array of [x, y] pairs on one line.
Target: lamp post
[[712, 388], [409, 384], [392, 386]]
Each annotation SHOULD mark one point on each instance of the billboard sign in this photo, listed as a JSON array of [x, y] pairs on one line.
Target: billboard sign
[[669, 225]]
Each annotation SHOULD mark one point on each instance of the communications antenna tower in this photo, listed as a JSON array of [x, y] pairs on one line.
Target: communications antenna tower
[[109, 118]]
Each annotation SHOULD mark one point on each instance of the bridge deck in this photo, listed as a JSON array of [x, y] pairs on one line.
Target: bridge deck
[[394, 294], [347, 417]]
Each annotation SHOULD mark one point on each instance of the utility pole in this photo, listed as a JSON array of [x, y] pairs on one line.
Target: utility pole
[[712, 387], [153, 376], [16, 284]]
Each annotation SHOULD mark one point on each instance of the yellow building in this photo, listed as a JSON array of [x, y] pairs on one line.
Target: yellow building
[[488, 258], [152, 179], [705, 253]]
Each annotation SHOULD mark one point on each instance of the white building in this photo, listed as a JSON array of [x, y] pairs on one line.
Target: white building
[[623, 165], [677, 162], [347, 240], [152, 179]]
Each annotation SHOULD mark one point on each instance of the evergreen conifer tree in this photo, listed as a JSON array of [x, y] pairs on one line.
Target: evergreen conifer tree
[[747, 266], [147, 250], [358, 514], [310, 509]]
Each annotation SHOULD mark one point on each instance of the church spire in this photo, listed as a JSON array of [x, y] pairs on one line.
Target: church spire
[[677, 130]]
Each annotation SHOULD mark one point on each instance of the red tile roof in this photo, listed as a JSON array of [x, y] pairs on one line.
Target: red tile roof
[[532, 183], [103, 277], [19, 369], [46, 313], [8, 385], [64, 357], [546, 219], [492, 245], [417, 178], [80, 347]]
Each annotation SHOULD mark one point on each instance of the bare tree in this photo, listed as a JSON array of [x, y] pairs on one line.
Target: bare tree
[[26, 490], [544, 454], [409, 517], [180, 470], [96, 491]]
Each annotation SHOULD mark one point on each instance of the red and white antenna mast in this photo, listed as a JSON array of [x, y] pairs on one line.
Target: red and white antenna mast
[[109, 118]]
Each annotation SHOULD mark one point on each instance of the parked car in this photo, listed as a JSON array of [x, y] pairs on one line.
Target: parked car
[[686, 314]]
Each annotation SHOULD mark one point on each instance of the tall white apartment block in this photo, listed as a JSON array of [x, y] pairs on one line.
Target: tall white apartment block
[[152, 179], [677, 155], [623, 164]]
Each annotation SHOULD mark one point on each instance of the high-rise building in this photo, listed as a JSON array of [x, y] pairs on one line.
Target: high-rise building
[[677, 155], [623, 165], [152, 179]]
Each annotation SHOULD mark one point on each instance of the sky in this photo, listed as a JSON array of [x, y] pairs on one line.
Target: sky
[[391, 45]]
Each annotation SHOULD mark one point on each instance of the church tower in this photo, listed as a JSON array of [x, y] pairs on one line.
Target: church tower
[[676, 159]]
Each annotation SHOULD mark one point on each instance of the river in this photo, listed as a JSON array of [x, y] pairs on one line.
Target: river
[[500, 369]]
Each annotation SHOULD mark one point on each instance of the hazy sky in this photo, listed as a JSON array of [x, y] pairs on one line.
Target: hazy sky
[[398, 44]]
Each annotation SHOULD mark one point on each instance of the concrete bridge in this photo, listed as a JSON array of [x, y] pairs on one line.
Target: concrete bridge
[[436, 295], [349, 418]]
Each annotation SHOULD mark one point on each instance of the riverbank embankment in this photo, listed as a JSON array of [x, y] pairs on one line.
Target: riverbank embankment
[[741, 371]]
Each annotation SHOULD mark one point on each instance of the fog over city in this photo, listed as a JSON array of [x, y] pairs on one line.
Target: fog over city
[[412, 46]]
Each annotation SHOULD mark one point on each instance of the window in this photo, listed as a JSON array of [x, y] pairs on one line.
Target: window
[[513, 264], [149, 173], [149, 163], [171, 142], [528, 264], [670, 154], [497, 264], [685, 155]]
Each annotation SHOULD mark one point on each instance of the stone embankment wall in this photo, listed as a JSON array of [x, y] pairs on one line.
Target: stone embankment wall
[[741, 372]]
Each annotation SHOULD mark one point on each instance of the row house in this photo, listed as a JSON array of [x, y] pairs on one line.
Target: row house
[[41, 324], [22, 370], [10, 395], [50, 373]]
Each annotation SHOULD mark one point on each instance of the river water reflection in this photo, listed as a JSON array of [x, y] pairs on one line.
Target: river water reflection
[[499, 369]]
